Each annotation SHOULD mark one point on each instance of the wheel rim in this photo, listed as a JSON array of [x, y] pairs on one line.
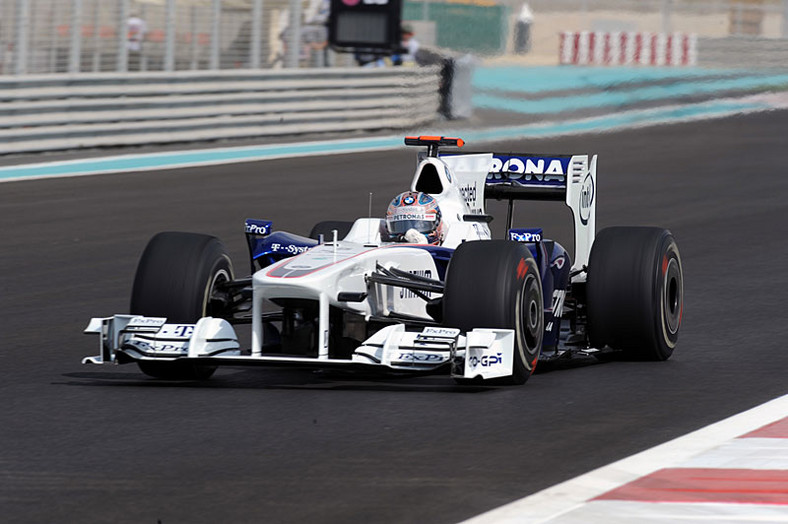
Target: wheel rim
[[214, 299], [529, 319], [672, 296]]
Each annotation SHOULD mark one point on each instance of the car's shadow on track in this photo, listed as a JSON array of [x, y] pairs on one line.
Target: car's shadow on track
[[291, 379], [575, 362], [295, 379]]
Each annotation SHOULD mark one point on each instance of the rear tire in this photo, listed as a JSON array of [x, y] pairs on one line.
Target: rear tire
[[635, 292], [496, 284], [177, 278], [327, 228]]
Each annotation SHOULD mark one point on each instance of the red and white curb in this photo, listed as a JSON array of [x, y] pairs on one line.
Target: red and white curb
[[733, 471]]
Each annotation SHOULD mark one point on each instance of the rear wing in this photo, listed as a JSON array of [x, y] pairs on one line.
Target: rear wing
[[567, 178]]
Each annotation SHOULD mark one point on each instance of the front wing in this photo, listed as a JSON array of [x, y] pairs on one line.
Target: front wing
[[480, 353]]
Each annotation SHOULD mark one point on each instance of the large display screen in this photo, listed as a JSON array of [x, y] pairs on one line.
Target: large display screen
[[363, 26], [371, 25]]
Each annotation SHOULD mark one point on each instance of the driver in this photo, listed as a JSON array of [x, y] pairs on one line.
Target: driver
[[415, 217]]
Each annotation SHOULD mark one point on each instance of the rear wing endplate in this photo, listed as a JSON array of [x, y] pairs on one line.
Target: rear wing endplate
[[567, 178]]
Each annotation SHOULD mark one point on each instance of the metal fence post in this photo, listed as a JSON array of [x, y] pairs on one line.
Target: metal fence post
[[293, 35], [143, 55], [75, 47], [169, 36], [21, 41], [194, 41], [32, 37], [122, 36], [257, 26], [96, 21], [55, 15], [216, 24]]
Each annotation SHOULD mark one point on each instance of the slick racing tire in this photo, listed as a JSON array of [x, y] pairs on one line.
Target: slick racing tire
[[327, 228], [635, 292], [177, 278], [496, 284]]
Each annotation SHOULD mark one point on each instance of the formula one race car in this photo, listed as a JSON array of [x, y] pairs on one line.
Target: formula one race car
[[424, 291]]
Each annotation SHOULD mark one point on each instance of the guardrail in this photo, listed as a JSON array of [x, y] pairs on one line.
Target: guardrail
[[58, 112]]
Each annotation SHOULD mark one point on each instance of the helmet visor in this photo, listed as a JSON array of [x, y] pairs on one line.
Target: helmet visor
[[399, 227]]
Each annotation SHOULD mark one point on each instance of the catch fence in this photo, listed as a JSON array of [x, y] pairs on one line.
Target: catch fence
[[72, 36], [75, 36]]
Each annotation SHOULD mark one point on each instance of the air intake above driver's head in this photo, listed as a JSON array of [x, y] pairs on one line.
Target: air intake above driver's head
[[429, 181]]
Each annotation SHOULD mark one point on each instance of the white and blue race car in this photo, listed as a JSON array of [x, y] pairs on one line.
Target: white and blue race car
[[350, 297]]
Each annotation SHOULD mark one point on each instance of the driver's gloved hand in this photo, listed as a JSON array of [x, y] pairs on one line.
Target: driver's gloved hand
[[414, 237]]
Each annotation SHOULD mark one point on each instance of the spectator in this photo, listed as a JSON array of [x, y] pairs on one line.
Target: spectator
[[368, 58], [410, 47], [135, 34], [6, 57], [314, 38], [522, 30]]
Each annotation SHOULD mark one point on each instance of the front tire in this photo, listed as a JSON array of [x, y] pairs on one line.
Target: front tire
[[635, 292], [177, 278], [496, 284]]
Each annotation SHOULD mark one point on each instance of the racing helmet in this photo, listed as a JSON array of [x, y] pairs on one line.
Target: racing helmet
[[414, 210]]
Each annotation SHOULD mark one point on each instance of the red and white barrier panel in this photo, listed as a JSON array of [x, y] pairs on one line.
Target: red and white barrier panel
[[628, 48]]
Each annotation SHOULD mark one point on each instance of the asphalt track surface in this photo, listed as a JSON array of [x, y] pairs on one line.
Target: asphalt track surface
[[88, 444]]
